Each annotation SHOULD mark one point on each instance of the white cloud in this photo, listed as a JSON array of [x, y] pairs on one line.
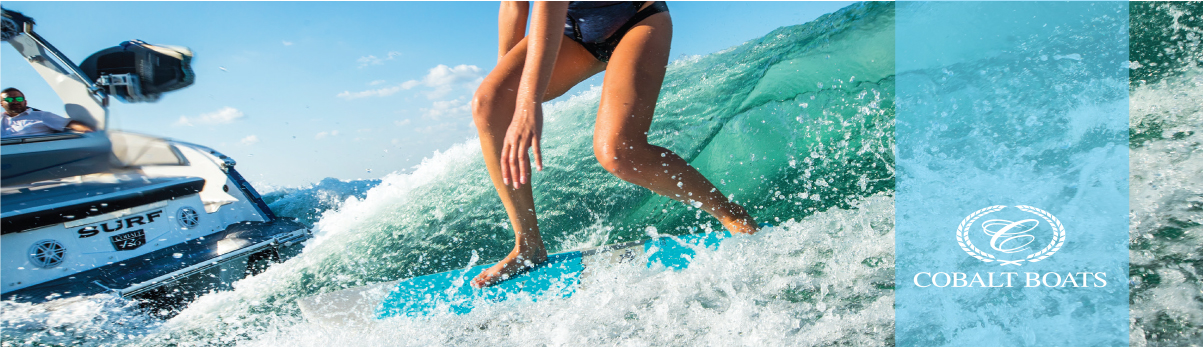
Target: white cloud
[[287, 43], [437, 128], [376, 82], [225, 115], [326, 134], [373, 60], [250, 140], [440, 81], [401, 123], [448, 109], [346, 94], [443, 79], [410, 84]]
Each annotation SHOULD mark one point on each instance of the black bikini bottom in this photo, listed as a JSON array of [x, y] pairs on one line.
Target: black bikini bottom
[[600, 26]]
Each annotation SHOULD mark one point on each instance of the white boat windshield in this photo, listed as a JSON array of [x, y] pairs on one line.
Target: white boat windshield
[[80, 103]]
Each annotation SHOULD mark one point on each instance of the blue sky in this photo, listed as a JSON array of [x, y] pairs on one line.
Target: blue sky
[[300, 91]]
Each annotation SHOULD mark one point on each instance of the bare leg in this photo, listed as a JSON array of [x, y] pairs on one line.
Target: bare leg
[[632, 85], [492, 110]]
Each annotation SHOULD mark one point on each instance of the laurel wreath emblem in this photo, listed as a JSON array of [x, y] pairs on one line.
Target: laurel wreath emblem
[[1058, 234], [1053, 246], [963, 233]]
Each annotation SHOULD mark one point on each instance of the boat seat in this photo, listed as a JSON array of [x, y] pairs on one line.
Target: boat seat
[[27, 159]]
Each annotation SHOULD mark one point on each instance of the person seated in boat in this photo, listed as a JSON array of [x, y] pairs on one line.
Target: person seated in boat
[[21, 120], [568, 43]]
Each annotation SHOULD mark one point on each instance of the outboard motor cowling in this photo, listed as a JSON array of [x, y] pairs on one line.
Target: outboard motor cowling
[[137, 71]]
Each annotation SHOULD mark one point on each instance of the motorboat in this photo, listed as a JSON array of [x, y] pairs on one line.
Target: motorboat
[[130, 214]]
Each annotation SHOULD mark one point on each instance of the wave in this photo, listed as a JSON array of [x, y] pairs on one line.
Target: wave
[[796, 125], [307, 204], [1166, 223]]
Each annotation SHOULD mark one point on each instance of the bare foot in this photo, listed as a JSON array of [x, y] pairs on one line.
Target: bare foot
[[515, 263], [741, 222]]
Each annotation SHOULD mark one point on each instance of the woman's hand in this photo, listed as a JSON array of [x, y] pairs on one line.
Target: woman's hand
[[526, 128], [547, 29], [521, 138]]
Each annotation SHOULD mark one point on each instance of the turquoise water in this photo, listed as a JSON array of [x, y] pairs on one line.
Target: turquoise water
[[795, 125]]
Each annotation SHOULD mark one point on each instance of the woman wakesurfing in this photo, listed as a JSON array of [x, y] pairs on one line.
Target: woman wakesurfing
[[629, 40]]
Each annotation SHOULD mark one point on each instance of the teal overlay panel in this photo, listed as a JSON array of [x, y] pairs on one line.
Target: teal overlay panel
[[1012, 174]]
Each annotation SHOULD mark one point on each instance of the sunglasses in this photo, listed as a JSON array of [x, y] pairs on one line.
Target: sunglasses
[[16, 99]]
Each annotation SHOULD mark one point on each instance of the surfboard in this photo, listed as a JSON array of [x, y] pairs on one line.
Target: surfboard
[[451, 291]]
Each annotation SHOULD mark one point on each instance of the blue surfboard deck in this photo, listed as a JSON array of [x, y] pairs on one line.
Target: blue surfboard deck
[[452, 291], [422, 295], [557, 277]]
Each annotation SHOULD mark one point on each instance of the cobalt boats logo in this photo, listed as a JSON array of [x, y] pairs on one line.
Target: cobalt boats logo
[[1011, 236], [1015, 241]]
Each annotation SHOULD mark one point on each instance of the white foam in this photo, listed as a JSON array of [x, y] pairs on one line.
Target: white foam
[[815, 281], [1167, 193], [96, 319]]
